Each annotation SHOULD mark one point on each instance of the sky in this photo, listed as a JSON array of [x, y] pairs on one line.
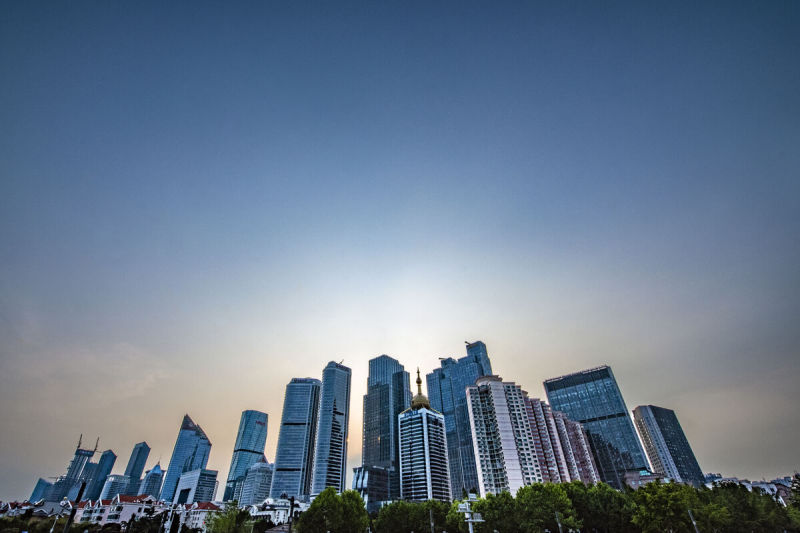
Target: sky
[[200, 201]]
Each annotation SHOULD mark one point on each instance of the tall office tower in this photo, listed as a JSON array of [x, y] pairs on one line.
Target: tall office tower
[[562, 447], [114, 484], [333, 418], [248, 450], [136, 467], [577, 451], [592, 398], [257, 483], [505, 444], [388, 395], [100, 472], [62, 486], [40, 490], [446, 387], [151, 484], [423, 451], [294, 458], [190, 453], [665, 443], [196, 486]]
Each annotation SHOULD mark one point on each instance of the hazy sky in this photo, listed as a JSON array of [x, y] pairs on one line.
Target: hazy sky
[[200, 201]]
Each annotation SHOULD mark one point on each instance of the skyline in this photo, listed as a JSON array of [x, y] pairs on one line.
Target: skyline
[[196, 204]]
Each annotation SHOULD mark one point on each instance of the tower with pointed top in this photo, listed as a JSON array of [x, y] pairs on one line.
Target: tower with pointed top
[[424, 471], [190, 453]]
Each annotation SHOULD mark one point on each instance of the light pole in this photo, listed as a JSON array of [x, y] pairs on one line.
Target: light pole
[[470, 517]]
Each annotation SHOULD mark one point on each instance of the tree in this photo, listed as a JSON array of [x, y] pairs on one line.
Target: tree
[[500, 512], [329, 511], [395, 517], [664, 507], [538, 504], [229, 520]]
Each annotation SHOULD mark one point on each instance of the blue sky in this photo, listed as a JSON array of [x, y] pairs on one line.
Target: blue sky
[[200, 201]]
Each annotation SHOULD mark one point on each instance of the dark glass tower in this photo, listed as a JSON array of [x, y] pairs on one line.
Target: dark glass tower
[[666, 445], [333, 419], [190, 453], [136, 466], [100, 473], [447, 392], [592, 398], [248, 450], [294, 458], [388, 395]]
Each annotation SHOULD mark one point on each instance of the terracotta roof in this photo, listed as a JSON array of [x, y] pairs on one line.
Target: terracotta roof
[[206, 506]]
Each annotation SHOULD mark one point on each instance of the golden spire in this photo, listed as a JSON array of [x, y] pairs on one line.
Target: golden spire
[[420, 400]]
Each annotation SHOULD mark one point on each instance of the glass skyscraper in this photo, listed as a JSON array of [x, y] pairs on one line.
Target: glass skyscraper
[[333, 418], [136, 466], [248, 450], [190, 453], [447, 391], [294, 458], [388, 395], [100, 473], [666, 445], [593, 398], [151, 484]]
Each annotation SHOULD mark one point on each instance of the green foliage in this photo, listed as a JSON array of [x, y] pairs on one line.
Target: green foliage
[[229, 520], [538, 504], [664, 507], [329, 511]]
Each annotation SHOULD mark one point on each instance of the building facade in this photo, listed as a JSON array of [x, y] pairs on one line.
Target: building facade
[[446, 388], [592, 398], [388, 395], [190, 453], [257, 483], [505, 443], [294, 458], [151, 484], [666, 445], [99, 473], [333, 419], [115, 485], [196, 486], [248, 449], [424, 473]]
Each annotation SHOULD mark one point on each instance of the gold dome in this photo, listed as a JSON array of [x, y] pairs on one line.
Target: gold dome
[[420, 400]]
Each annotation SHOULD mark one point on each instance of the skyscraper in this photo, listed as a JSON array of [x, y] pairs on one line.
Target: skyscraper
[[75, 473], [504, 438], [151, 484], [190, 453], [100, 473], [423, 452], [592, 398], [446, 387], [666, 445], [248, 450], [114, 484], [330, 455], [136, 467], [196, 486], [388, 395], [294, 458], [40, 490]]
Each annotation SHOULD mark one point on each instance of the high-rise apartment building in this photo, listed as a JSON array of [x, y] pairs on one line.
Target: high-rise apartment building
[[505, 441], [190, 453], [424, 474], [562, 447], [447, 390], [136, 466], [592, 398], [248, 449], [151, 484], [333, 418], [388, 395], [256, 485], [294, 458], [666, 445]]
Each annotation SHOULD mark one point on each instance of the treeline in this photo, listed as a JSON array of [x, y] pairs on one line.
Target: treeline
[[656, 507]]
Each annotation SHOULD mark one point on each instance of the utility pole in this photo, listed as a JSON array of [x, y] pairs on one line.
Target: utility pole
[[291, 513], [75, 507], [430, 515], [558, 521], [694, 523]]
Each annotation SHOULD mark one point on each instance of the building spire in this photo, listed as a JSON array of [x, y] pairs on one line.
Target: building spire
[[420, 400], [419, 383]]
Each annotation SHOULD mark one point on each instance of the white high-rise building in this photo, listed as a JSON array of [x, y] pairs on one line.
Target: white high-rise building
[[504, 439], [424, 472]]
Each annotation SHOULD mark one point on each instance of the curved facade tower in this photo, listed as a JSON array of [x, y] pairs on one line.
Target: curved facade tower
[[330, 456]]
